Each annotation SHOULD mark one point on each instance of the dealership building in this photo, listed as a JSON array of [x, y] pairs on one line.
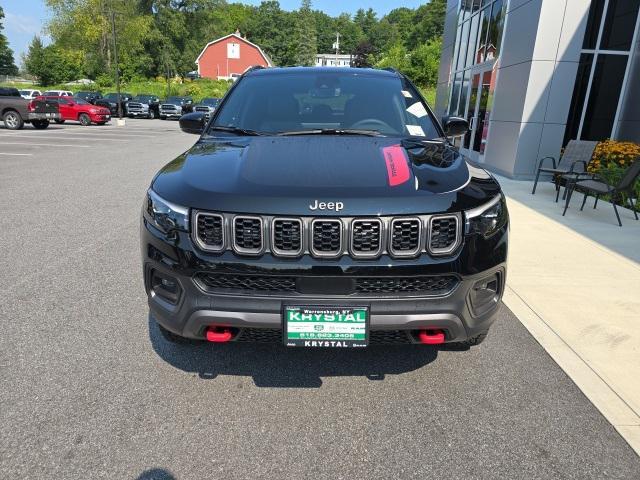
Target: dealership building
[[530, 75]]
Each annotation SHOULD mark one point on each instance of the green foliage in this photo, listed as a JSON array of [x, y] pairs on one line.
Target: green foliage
[[421, 64], [198, 89], [7, 64], [164, 37]]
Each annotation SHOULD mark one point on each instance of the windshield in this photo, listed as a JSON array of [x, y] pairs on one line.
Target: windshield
[[142, 98], [319, 100], [210, 101], [80, 101]]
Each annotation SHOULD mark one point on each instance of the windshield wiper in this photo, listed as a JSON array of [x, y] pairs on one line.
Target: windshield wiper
[[334, 131], [238, 130]]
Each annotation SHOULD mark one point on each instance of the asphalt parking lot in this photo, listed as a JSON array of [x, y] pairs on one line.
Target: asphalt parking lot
[[91, 390]]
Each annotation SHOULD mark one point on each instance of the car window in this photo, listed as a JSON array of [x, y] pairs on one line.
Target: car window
[[62, 101], [80, 101], [312, 100]]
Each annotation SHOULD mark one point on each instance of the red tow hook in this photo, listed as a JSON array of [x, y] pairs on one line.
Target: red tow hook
[[431, 336], [218, 334]]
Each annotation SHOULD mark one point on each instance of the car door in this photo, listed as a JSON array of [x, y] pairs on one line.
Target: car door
[[66, 111]]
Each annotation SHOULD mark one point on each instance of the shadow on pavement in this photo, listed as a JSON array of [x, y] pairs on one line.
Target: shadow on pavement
[[156, 474], [274, 365]]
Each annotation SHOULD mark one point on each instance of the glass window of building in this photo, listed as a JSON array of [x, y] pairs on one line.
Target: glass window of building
[[602, 71]]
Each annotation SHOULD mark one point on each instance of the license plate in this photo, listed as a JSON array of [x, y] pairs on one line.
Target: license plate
[[322, 326]]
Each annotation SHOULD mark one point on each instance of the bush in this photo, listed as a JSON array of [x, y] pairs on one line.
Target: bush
[[611, 159]]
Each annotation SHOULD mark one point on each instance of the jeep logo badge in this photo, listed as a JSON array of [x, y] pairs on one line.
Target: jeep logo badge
[[337, 206]]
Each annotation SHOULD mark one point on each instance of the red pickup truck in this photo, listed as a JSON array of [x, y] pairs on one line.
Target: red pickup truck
[[76, 109]]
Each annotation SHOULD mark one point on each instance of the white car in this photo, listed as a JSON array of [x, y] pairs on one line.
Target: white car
[[58, 93], [30, 94]]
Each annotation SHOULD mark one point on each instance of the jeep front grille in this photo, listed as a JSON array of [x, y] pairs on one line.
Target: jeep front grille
[[285, 285], [287, 236], [443, 234], [326, 238], [406, 236], [322, 237], [366, 238], [210, 231], [247, 234]]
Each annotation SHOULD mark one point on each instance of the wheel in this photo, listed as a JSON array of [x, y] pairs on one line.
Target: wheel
[[171, 337], [13, 120], [152, 114], [162, 117], [84, 119], [59, 121], [40, 124]]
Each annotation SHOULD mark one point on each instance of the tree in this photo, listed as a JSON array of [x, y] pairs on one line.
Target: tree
[[7, 63], [34, 59], [428, 23], [305, 44], [362, 55]]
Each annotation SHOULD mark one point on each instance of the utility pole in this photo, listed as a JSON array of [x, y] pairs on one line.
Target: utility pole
[[336, 45], [115, 58]]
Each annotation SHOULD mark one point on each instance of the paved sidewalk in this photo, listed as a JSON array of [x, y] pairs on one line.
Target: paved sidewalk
[[574, 282]]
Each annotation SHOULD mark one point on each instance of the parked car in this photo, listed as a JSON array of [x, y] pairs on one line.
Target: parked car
[[358, 222], [58, 93], [15, 111], [175, 107], [207, 106], [110, 101], [76, 109], [193, 75], [90, 97], [144, 105], [29, 94]]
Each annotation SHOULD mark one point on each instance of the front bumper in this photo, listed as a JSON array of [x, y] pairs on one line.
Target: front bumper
[[197, 309]]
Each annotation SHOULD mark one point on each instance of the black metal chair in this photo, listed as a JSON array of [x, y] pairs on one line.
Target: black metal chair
[[571, 166], [597, 186]]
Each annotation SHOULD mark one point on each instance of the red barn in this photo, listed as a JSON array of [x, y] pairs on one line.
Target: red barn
[[229, 57]]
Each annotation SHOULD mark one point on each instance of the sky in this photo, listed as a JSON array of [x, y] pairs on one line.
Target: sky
[[26, 18]]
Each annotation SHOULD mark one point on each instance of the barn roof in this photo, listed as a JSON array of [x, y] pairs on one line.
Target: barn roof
[[264, 55]]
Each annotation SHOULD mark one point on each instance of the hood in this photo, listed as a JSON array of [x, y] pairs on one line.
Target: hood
[[292, 175]]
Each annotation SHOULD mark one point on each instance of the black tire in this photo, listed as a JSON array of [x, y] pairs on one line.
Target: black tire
[[40, 124], [84, 119], [152, 114], [175, 338], [13, 120], [59, 121], [162, 117], [101, 123]]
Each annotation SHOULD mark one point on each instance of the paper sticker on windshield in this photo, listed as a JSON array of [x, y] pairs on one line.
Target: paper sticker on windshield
[[397, 166], [417, 110], [407, 94], [415, 130]]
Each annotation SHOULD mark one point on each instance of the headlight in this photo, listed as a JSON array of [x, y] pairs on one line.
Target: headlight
[[164, 215], [488, 218]]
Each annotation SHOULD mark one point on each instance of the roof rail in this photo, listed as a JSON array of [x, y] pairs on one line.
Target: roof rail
[[254, 67], [392, 70]]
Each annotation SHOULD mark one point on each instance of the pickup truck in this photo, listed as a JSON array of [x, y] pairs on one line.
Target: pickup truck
[[15, 111]]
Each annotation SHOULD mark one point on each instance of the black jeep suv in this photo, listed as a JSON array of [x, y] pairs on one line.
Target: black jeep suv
[[324, 208]]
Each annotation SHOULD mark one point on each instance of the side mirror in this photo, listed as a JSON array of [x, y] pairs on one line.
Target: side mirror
[[192, 123], [455, 126]]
